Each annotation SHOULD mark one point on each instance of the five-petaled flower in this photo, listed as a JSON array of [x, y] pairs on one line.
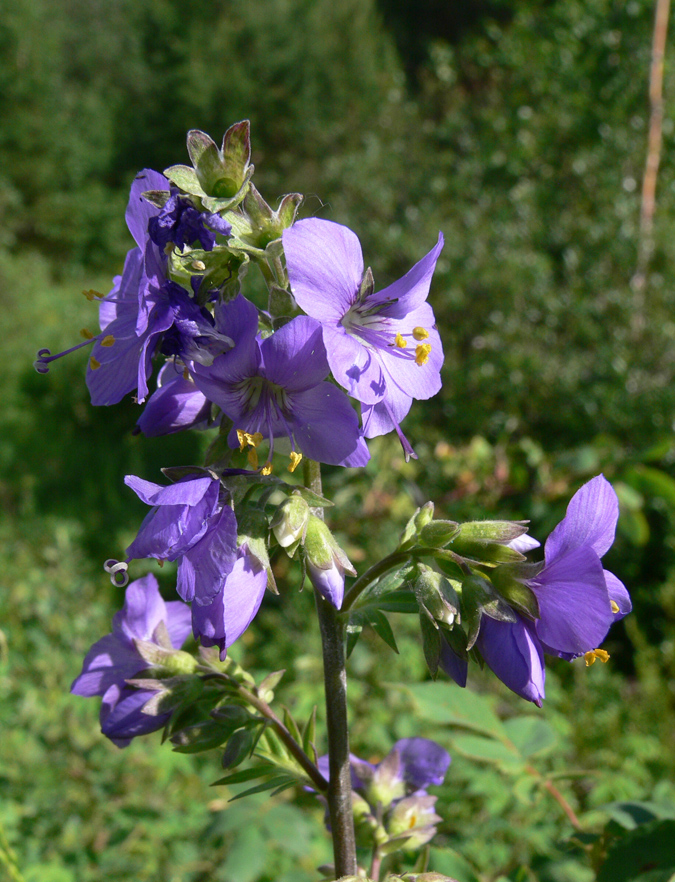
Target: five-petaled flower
[[114, 659], [383, 347], [277, 387]]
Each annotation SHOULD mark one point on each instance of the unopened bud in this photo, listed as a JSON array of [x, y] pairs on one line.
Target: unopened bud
[[436, 593], [437, 534], [326, 561]]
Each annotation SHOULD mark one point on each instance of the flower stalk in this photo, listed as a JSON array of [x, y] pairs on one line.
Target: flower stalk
[[335, 681]]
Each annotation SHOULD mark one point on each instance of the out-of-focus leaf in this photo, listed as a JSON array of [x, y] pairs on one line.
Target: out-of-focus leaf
[[530, 735], [645, 850], [447, 704]]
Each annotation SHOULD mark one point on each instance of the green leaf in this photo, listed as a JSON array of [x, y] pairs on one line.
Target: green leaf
[[282, 781], [246, 856], [431, 643], [244, 775], [531, 735], [239, 746], [488, 750], [380, 624], [652, 482], [447, 704], [648, 848], [446, 860]]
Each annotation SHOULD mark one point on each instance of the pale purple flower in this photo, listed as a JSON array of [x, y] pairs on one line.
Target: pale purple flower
[[277, 387], [231, 611], [382, 346], [190, 523], [114, 659]]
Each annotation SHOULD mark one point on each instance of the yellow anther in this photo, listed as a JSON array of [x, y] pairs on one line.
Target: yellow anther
[[186, 374], [108, 340], [241, 438], [160, 561], [254, 439], [252, 458], [400, 342], [420, 333], [266, 469], [615, 606], [295, 461], [86, 334], [93, 364], [422, 353], [600, 654], [91, 294]]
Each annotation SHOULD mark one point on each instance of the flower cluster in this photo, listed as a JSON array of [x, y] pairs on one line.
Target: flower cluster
[[390, 800]]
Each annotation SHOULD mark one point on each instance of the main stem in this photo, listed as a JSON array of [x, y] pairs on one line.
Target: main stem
[[335, 684]]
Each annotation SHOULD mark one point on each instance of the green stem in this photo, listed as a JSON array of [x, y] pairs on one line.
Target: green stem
[[335, 680], [285, 736]]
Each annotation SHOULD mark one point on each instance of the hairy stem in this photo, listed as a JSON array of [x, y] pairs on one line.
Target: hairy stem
[[335, 682]]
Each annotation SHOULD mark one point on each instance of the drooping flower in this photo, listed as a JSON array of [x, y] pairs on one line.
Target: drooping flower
[[276, 388], [114, 659], [222, 621], [191, 523], [577, 600], [382, 346]]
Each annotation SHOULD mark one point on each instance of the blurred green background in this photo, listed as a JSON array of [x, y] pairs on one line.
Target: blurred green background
[[517, 128]]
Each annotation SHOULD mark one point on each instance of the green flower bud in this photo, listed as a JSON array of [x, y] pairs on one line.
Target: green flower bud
[[289, 523], [437, 534]]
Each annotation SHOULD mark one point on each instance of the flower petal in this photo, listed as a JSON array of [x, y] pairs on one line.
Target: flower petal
[[295, 357], [122, 716], [143, 609], [205, 565], [325, 267], [139, 210], [326, 427], [410, 291], [424, 761], [590, 520], [618, 593], [513, 652], [356, 367], [574, 604]]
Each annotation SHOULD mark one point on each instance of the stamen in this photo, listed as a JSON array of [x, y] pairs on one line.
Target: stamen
[[400, 342], [253, 458], [422, 353], [246, 439], [266, 469], [295, 461], [108, 340], [44, 356], [117, 570], [186, 376], [91, 294], [93, 364], [160, 562], [86, 334], [420, 333], [615, 606], [600, 654]]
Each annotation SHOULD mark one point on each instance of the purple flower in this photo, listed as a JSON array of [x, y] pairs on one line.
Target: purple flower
[[577, 600], [114, 659], [190, 523], [382, 346], [180, 223], [177, 404], [276, 388], [231, 611]]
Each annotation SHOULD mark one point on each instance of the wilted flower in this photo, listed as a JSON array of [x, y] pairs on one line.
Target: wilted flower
[[114, 659], [382, 346]]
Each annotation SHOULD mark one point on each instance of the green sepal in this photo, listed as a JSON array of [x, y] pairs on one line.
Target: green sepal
[[252, 531], [170, 693], [186, 179], [222, 175], [241, 745], [175, 661], [516, 593], [354, 630], [488, 553], [480, 598], [158, 198], [493, 531], [417, 522], [437, 595], [269, 684], [437, 534]]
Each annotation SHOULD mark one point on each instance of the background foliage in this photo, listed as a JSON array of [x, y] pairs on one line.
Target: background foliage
[[517, 128]]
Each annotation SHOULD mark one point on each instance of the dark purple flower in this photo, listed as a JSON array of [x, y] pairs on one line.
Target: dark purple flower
[[231, 611], [382, 346], [276, 388], [190, 523], [177, 404], [180, 223], [114, 659]]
